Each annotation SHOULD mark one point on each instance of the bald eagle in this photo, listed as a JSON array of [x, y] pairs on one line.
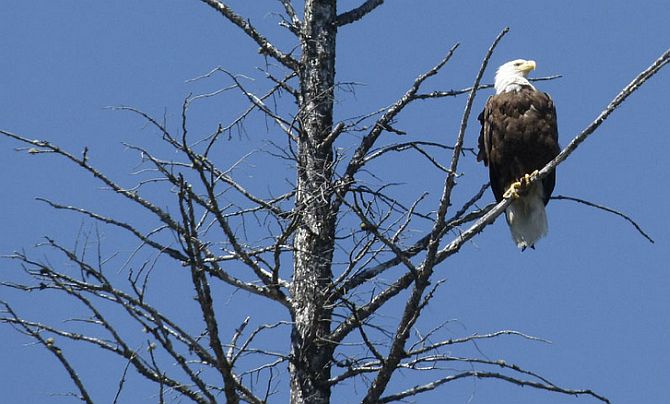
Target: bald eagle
[[519, 136]]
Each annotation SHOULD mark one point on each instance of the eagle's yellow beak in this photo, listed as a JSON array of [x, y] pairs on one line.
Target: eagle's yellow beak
[[528, 66]]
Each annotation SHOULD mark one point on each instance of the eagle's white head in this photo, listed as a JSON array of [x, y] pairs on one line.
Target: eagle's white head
[[512, 75]]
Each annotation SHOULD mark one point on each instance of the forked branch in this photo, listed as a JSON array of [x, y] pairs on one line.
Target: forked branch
[[50, 345], [265, 45], [368, 141]]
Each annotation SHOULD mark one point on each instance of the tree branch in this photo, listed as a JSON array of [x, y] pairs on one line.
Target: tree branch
[[488, 375], [49, 343], [450, 182], [458, 219], [358, 12], [45, 146], [606, 209], [454, 93], [358, 160], [250, 30], [143, 238], [295, 25]]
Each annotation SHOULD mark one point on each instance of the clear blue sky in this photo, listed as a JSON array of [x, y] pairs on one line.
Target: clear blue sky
[[594, 287]]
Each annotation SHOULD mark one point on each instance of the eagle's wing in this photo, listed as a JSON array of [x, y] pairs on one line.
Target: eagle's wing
[[484, 134]]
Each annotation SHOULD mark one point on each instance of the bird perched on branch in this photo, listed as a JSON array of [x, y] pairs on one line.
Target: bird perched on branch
[[519, 136]]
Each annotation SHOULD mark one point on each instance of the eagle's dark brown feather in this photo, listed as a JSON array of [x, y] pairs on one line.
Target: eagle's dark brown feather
[[519, 135]]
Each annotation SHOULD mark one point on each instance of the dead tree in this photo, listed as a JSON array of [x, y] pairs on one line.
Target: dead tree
[[330, 250]]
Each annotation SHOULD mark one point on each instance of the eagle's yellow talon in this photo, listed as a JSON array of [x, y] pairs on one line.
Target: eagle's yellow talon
[[520, 185], [513, 191], [527, 178]]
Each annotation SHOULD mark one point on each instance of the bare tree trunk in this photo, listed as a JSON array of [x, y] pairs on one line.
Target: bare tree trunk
[[314, 239]]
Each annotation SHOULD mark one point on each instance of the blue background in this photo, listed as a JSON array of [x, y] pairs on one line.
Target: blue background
[[594, 287]]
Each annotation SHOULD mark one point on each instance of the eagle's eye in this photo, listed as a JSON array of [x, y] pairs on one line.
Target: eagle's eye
[[518, 64]]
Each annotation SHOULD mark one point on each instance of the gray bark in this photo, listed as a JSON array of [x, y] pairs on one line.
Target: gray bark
[[314, 239]]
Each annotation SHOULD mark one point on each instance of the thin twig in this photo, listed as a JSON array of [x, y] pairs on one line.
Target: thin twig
[[358, 12], [453, 93], [606, 209], [488, 375]]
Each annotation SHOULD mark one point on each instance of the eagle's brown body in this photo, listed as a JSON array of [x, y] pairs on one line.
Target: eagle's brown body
[[519, 135]]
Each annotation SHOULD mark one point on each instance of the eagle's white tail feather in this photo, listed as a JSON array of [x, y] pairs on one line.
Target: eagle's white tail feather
[[527, 218]]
